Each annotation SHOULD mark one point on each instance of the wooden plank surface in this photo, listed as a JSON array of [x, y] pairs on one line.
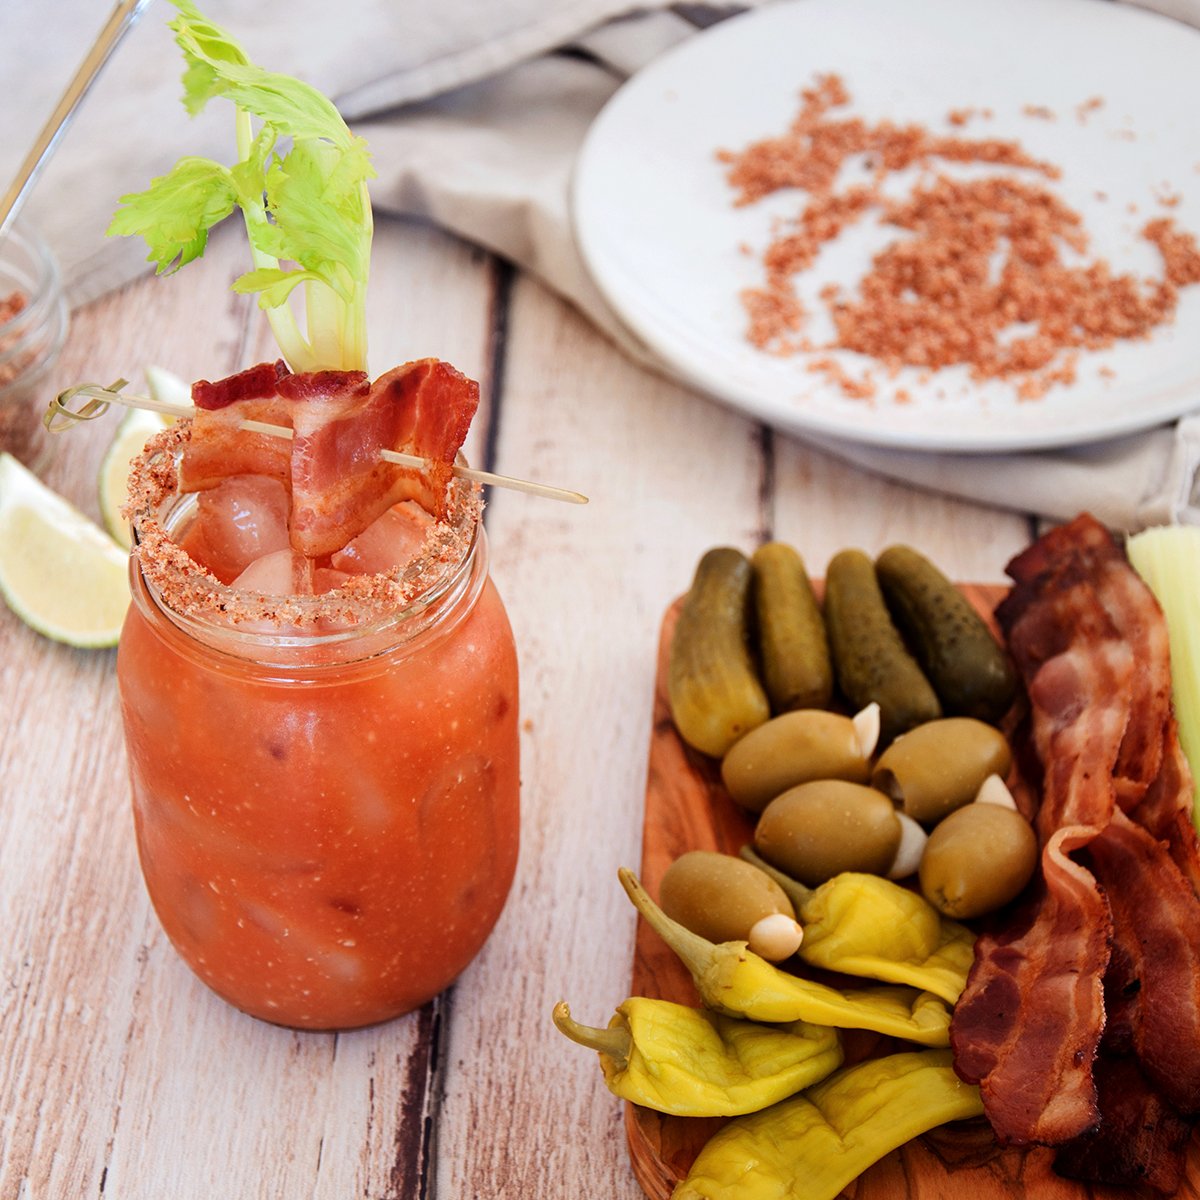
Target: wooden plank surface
[[120, 1075]]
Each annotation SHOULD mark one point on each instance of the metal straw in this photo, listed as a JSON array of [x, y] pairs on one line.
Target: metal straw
[[122, 19]]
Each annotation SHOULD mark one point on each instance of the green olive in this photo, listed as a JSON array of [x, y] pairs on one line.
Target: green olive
[[939, 766], [819, 829], [977, 860], [721, 897], [791, 749]]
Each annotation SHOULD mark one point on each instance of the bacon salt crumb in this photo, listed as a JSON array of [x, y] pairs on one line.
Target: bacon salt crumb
[[980, 281], [853, 389], [1089, 106], [11, 306], [1040, 111], [189, 589]]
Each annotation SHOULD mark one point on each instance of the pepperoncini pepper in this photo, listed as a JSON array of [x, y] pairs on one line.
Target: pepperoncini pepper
[[733, 980], [811, 1146], [692, 1063], [866, 925]]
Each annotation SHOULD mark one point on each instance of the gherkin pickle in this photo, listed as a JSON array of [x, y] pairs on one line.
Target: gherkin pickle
[[819, 829], [793, 648], [966, 665], [977, 860], [713, 688], [869, 657], [940, 766], [790, 749]]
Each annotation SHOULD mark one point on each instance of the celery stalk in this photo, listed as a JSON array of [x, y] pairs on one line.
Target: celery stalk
[[300, 180], [1168, 559]]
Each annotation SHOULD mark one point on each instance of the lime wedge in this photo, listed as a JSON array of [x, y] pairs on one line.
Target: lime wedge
[[59, 572], [135, 427]]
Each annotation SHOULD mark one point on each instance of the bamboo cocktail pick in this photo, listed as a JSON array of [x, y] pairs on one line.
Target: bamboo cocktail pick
[[59, 417]]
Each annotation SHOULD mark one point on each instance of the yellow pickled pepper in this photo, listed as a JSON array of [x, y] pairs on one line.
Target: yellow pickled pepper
[[866, 925], [732, 979], [811, 1146], [693, 1063], [859, 924]]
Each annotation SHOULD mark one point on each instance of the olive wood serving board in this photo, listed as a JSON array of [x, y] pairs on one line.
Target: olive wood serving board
[[687, 808]]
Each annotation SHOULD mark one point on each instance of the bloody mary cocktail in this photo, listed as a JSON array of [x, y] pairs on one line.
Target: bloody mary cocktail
[[317, 678], [326, 809]]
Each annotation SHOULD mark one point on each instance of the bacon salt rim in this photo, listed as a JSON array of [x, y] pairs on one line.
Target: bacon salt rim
[[192, 591]]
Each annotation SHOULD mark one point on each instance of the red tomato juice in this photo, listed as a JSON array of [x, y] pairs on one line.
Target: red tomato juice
[[328, 840]]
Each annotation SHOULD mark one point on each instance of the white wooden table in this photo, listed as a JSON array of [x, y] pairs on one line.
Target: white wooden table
[[121, 1076]]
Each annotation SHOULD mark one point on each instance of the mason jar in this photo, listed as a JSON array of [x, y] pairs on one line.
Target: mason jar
[[326, 813], [33, 326]]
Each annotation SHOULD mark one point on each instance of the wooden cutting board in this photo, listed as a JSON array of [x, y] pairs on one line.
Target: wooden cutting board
[[687, 808]]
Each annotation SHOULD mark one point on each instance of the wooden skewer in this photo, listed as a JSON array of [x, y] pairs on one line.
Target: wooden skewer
[[59, 417]]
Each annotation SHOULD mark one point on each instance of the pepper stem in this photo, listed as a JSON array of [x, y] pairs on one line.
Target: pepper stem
[[695, 952], [796, 892], [615, 1042]]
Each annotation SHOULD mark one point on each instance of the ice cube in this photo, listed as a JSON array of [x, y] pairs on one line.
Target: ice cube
[[242, 519], [280, 573], [392, 540], [325, 579]]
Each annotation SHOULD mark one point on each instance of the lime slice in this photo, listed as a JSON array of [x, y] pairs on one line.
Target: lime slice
[[59, 572], [135, 427]]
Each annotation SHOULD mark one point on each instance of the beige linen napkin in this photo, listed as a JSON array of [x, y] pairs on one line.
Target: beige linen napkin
[[474, 110]]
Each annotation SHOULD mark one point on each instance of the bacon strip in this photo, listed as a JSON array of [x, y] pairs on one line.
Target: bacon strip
[[1150, 986], [1139, 1140], [341, 422], [339, 482], [1090, 642], [1156, 923], [218, 447], [1165, 812]]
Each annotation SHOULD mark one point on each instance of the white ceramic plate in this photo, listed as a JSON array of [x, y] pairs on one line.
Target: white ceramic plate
[[659, 232]]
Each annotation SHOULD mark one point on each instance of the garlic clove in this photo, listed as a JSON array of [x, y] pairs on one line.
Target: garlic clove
[[775, 937], [993, 790], [910, 850]]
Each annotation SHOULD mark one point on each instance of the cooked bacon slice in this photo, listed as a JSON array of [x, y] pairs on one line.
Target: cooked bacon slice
[[341, 422], [1084, 553], [339, 482], [1139, 1140], [1165, 811], [1141, 1137], [1090, 641], [1029, 1021], [218, 447], [1156, 924]]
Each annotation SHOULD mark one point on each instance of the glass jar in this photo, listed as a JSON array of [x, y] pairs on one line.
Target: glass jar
[[327, 823], [33, 326]]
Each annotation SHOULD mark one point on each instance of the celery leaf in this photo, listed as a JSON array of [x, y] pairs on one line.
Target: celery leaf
[[175, 213]]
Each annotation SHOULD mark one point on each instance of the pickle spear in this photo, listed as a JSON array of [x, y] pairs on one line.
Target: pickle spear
[[966, 665], [869, 656], [712, 684], [791, 633]]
